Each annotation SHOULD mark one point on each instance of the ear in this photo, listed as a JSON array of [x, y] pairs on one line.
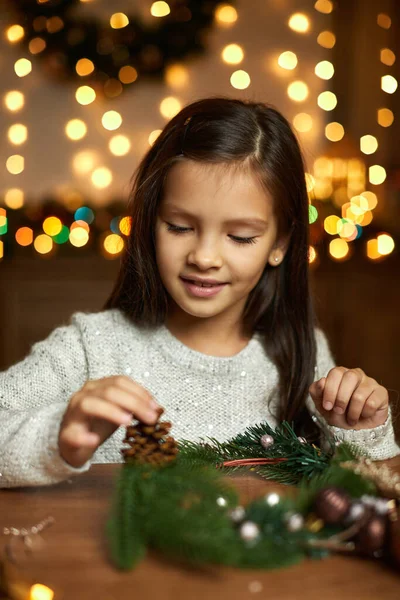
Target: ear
[[279, 250]]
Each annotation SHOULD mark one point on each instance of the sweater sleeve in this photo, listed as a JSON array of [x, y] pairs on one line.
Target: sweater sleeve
[[378, 442], [34, 395]]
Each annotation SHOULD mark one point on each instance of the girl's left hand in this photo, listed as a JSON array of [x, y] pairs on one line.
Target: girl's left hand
[[347, 398]]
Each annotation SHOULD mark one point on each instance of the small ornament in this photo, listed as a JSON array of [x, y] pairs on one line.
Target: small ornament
[[267, 441], [221, 501], [249, 531], [301, 439], [314, 524], [294, 521], [237, 514], [356, 511], [332, 504], [272, 499], [372, 536]]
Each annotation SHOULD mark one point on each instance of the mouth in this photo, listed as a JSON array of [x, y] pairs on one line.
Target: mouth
[[206, 285]]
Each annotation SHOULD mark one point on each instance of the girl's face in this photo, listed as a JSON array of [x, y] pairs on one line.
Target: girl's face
[[211, 203]]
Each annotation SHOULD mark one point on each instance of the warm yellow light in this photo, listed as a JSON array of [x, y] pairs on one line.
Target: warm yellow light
[[176, 76], [154, 135], [15, 164], [388, 57], [368, 144], [377, 174], [303, 122], [119, 20], [384, 21], [388, 84], [101, 177], [24, 236], [85, 95], [160, 9], [287, 60], [232, 54], [324, 69], [54, 24], [334, 132], [299, 22], [312, 254], [125, 225], [371, 199], [17, 134], [324, 6], [240, 80], [14, 198], [52, 226], [84, 162], [372, 249], [41, 592], [22, 67], [323, 167], [37, 45], [366, 218], [169, 107], [323, 189], [347, 229], [78, 237], [119, 145], [15, 33], [331, 224], [326, 39], [43, 244], [127, 74], [385, 243], [76, 129], [338, 248], [84, 66], [113, 243], [226, 15], [297, 91], [327, 100], [385, 117], [14, 100], [111, 120]]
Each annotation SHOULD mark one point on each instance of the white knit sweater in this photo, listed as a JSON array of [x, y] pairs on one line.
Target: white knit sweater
[[203, 396]]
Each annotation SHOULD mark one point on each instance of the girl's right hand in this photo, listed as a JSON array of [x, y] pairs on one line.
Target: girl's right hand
[[97, 410]]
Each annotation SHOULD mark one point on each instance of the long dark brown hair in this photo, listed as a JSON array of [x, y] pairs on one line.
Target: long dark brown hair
[[230, 131]]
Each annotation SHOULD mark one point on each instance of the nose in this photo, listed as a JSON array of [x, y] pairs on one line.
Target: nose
[[206, 253]]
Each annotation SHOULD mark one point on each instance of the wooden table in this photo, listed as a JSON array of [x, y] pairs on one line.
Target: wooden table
[[73, 561]]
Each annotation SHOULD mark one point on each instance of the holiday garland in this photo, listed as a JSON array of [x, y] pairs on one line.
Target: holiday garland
[[174, 497], [148, 48]]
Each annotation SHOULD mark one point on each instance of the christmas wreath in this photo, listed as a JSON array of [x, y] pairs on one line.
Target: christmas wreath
[[60, 39], [174, 498]]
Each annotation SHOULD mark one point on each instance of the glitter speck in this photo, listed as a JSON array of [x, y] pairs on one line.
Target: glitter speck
[[243, 373], [128, 370], [210, 426], [219, 387], [147, 374], [97, 332]]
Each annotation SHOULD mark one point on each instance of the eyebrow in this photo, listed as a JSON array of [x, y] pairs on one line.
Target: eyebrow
[[249, 221]]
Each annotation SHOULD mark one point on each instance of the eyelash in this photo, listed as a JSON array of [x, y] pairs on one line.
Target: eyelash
[[237, 240]]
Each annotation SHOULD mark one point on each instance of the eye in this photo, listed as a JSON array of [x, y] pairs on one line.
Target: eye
[[237, 240]]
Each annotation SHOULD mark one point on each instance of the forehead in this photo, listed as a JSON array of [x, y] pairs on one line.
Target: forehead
[[222, 191]]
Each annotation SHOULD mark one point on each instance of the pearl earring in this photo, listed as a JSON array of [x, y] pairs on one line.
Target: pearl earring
[[276, 259]]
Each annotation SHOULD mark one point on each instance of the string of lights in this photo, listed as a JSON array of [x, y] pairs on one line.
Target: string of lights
[[335, 183]]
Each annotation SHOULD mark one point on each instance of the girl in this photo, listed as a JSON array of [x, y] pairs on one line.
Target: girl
[[210, 316]]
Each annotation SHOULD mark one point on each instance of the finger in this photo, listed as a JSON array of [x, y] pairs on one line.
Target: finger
[[316, 389], [76, 435], [131, 402], [349, 382], [332, 383], [375, 401], [357, 403], [93, 406], [131, 386]]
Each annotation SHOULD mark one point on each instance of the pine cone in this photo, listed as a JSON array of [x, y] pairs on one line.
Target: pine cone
[[149, 444]]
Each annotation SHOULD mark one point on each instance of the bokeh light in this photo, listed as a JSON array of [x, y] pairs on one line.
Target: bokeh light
[[119, 145], [76, 129], [303, 122], [287, 60], [15, 164], [17, 134], [377, 174], [324, 69], [84, 67], [14, 198], [385, 117], [169, 107], [240, 80], [119, 20], [327, 100], [22, 67], [334, 132], [299, 22], [111, 120], [101, 177], [389, 84], [154, 135], [326, 39], [85, 95], [14, 100], [232, 54], [24, 236], [226, 15], [160, 9], [297, 91]]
